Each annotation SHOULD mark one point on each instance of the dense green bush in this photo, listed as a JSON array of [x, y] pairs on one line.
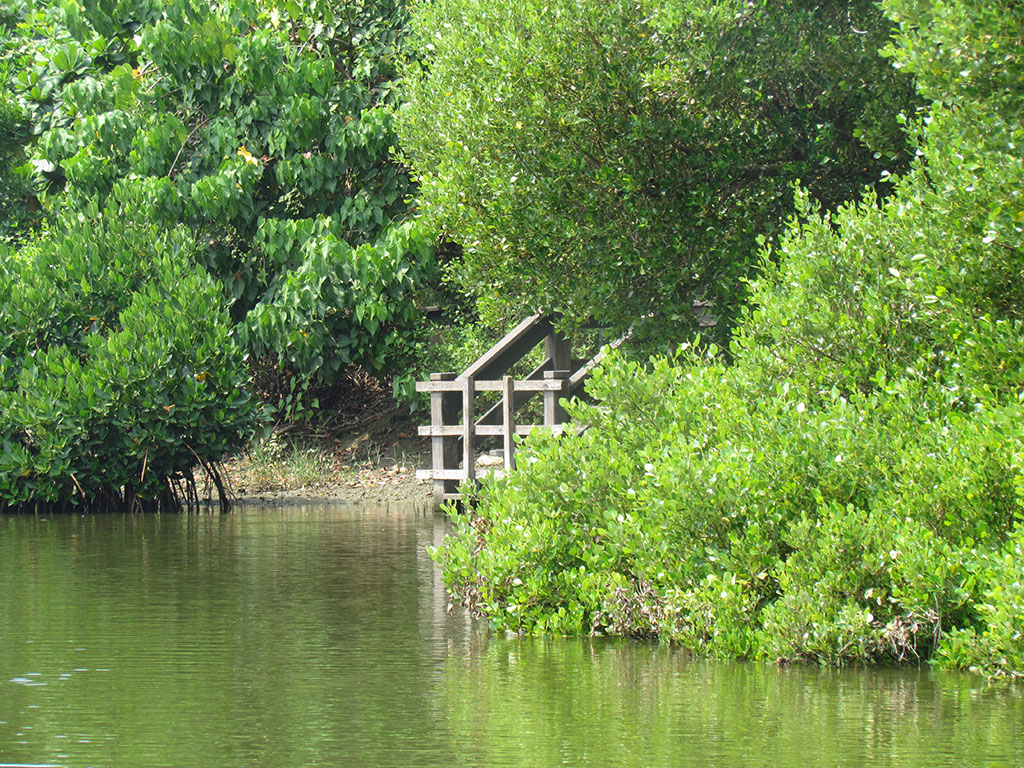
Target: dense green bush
[[850, 487], [118, 371], [616, 159], [745, 527], [221, 184], [263, 127], [994, 643]]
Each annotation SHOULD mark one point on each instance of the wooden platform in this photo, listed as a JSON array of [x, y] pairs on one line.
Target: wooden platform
[[456, 428]]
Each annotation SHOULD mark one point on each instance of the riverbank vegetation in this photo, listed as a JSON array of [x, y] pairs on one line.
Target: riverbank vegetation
[[843, 482], [616, 161], [119, 373], [206, 195], [208, 212]]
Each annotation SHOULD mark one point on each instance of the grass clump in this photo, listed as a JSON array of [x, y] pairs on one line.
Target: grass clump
[[278, 464]]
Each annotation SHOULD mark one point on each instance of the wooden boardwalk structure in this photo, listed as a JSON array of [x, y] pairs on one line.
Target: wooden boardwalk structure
[[455, 427]]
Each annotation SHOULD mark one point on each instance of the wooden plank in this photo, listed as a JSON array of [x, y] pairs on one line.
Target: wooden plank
[[540, 385], [453, 475], [498, 359], [509, 422], [554, 413], [440, 454], [558, 350], [486, 385], [443, 450], [445, 430], [452, 405], [486, 430], [458, 430], [440, 474], [469, 424]]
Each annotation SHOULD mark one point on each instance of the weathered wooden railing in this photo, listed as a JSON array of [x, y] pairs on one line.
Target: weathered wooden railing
[[454, 425]]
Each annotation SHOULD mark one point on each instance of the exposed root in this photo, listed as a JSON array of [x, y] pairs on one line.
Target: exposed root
[[634, 611], [906, 637]]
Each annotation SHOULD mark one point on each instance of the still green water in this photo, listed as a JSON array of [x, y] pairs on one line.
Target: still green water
[[321, 637]]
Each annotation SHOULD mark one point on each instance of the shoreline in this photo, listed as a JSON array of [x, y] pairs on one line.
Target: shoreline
[[370, 486], [367, 456]]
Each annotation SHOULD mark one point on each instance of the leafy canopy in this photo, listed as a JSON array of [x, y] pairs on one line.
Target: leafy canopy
[[118, 371], [265, 128], [617, 159]]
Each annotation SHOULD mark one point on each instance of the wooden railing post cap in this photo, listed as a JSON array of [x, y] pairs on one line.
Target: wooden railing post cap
[[561, 374], [443, 376]]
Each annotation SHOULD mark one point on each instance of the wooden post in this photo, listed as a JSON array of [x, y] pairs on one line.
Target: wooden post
[[469, 428], [558, 351], [509, 421], [554, 413], [444, 410]]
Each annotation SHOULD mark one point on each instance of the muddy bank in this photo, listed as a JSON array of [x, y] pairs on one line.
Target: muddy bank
[[367, 452], [363, 485]]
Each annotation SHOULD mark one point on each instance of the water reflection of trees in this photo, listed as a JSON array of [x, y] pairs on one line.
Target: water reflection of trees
[[604, 702], [322, 636]]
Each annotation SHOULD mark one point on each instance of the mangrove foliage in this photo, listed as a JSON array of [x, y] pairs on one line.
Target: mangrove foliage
[[844, 482], [192, 194], [616, 161]]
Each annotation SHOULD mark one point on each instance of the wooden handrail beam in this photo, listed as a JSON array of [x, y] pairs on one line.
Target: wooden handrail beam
[[540, 385], [441, 474], [502, 356], [487, 430], [450, 475]]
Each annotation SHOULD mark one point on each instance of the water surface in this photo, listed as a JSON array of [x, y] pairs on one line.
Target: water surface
[[321, 636]]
